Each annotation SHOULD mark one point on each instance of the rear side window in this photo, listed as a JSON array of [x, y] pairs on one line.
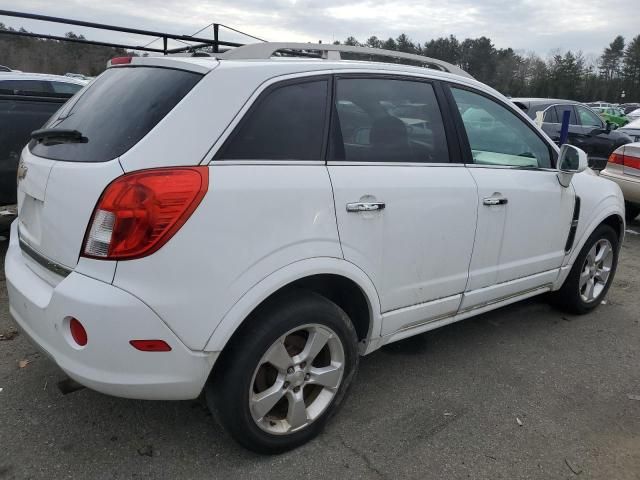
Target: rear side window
[[63, 88], [286, 123], [387, 120], [24, 87], [550, 115], [116, 111]]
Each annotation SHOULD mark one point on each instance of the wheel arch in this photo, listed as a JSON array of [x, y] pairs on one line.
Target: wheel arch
[[336, 279]]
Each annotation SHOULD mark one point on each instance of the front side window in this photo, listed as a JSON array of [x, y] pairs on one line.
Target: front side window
[[387, 120], [560, 109], [287, 123], [550, 115], [588, 118], [497, 136]]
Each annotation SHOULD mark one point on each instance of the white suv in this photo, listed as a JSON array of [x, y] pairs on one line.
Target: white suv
[[249, 225]]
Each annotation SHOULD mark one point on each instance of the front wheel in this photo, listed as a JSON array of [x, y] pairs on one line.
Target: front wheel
[[591, 274], [285, 373]]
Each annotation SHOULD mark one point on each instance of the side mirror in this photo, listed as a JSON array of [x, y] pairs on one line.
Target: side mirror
[[571, 160]]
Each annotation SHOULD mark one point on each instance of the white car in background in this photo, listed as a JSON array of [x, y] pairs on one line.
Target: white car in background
[[633, 115], [624, 169], [632, 129], [219, 224]]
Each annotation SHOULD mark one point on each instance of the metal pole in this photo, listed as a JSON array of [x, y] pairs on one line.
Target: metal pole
[[216, 45], [164, 45]]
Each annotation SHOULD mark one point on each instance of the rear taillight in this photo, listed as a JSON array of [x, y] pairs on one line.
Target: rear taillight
[[625, 160], [616, 158], [139, 212]]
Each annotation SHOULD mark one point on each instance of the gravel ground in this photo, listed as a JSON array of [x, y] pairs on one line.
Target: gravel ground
[[522, 392]]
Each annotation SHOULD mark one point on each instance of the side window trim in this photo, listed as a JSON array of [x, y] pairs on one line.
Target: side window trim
[[237, 129], [462, 133], [451, 138]]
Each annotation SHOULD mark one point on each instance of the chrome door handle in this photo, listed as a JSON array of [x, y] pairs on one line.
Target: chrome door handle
[[365, 206], [489, 201]]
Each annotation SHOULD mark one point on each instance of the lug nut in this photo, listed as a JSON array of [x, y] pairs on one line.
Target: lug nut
[[290, 370], [307, 376], [303, 364], [286, 385], [296, 389]]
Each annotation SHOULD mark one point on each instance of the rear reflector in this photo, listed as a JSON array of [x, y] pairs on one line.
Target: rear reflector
[[139, 212], [120, 60], [78, 333], [616, 158], [151, 345]]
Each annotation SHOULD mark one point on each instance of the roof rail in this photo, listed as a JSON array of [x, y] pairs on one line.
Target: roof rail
[[258, 51]]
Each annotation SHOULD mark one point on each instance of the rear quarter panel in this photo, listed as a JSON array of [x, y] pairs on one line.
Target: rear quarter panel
[[253, 221]]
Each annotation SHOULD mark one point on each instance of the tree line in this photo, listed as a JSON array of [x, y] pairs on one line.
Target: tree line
[[570, 75], [53, 56]]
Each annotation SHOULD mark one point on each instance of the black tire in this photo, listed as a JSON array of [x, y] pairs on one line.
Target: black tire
[[631, 211], [568, 297], [228, 389]]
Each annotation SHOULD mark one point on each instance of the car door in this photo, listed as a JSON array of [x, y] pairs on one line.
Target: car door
[[405, 206], [596, 141], [524, 214]]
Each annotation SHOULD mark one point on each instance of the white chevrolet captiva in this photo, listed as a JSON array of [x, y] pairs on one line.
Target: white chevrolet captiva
[[248, 225]]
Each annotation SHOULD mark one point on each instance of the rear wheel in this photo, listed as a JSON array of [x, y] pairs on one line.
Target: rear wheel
[[591, 274], [285, 374]]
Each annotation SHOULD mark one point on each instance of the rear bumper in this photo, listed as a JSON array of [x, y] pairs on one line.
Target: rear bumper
[[111, 317]]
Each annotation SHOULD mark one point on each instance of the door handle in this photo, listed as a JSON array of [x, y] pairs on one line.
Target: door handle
[[365, 206], [495, 200]]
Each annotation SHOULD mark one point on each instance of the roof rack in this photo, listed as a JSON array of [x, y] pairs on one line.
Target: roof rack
[[186, 40], [263, 51]]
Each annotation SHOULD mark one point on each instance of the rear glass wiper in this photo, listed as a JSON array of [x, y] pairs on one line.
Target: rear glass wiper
[[50, 136]]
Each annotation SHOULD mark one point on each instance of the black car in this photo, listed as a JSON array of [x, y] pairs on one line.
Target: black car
[[26, 103], [586, 129]]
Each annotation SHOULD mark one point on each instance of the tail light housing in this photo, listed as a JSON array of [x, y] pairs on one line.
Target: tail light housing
[[139, 212], [621, 158]]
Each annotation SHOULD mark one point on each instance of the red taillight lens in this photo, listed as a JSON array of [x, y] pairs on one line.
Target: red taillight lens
[[616, 158], [139, 212], [626, 160], [78, 333], [150, 345], [120, 60], [632, 162]]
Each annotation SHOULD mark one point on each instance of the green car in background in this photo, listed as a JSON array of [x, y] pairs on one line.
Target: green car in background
[[612, 115]]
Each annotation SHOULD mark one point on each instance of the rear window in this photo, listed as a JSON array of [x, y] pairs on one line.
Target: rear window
[[116, 111]]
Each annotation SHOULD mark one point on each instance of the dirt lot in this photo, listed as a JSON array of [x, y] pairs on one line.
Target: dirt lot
[[522, 392]]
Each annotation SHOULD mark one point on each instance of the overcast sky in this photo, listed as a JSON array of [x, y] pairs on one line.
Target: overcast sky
[[529, 25]]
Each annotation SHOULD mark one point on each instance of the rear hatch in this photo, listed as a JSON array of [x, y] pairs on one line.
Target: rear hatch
[[62, 175]]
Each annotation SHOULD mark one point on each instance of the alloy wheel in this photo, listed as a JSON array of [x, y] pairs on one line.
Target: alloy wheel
[[596, 270], [296, 379]]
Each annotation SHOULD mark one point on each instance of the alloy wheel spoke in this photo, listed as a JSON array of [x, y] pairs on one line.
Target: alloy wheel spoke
[[263, 402], [297, 411], [315, 343], [584, 277], [603, 252], [279, 357], [591, 283], [329, 376]]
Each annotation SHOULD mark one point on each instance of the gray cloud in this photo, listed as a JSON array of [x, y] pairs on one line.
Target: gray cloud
[[530, 25]]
